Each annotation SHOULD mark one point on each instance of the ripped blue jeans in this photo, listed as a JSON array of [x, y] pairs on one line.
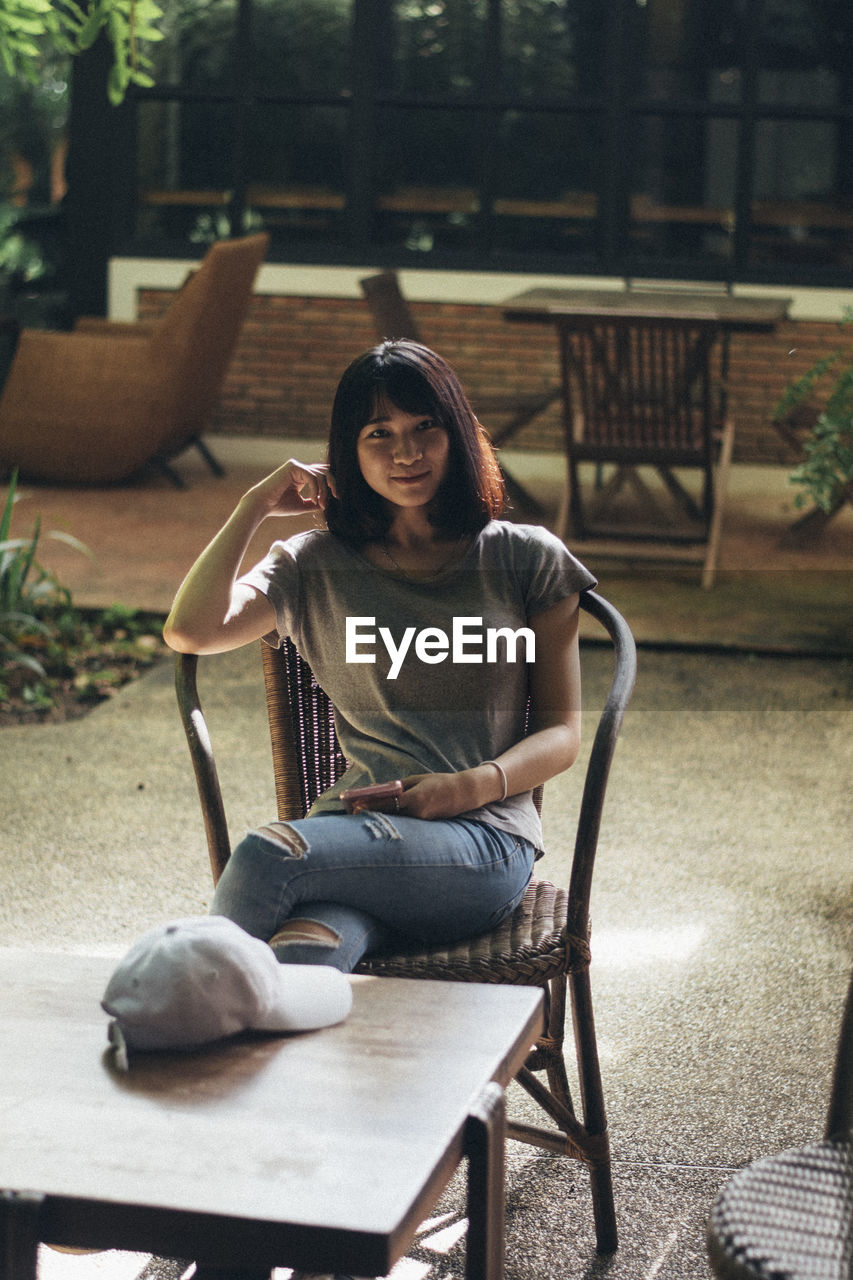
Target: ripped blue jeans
[[373, 880]]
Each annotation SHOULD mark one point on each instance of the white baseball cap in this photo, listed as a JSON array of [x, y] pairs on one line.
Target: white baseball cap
[[202, 978]]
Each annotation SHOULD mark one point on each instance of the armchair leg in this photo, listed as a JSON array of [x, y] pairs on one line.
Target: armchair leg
[[213, 462], [169, 472]]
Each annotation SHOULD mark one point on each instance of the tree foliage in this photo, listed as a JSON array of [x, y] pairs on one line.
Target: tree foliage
[[27, 27]]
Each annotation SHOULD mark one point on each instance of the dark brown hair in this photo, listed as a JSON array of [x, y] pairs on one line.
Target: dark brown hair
[[415, 380]]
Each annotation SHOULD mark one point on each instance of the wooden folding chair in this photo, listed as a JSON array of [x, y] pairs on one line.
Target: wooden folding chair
[[544, 943], [640, 390], [392, 318]]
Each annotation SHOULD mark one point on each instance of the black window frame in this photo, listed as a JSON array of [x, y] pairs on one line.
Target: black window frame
[[609, 251]]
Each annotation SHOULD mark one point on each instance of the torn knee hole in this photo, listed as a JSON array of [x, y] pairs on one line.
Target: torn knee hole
[[300, 931], [380, 826], [286, 837]]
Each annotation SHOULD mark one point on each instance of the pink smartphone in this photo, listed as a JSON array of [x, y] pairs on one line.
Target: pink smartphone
[[381, 797]]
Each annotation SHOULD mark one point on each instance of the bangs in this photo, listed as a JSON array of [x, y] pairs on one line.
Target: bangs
[[405, 389]]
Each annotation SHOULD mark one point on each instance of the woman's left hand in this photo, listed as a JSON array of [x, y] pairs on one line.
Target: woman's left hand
[[434, 795]]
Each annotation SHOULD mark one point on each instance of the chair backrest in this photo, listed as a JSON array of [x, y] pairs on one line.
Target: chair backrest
[[640, 388], [392, 316], [194, 342]]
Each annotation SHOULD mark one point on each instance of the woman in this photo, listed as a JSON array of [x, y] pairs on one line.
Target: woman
[[428, 621]]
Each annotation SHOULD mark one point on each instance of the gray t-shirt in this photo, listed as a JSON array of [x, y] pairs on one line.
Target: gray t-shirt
[[421, 678]]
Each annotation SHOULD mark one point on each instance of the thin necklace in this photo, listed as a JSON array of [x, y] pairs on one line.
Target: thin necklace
[[427, 577]]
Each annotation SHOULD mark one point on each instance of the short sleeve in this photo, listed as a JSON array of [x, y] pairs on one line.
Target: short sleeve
[[277, 577], [550, 571]]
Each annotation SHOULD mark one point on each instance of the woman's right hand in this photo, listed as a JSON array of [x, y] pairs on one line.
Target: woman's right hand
[[293, 489], [212, 610]]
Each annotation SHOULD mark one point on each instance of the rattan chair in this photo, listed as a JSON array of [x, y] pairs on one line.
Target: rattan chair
[[642, 390], [97, 405], [790, 1217], [544, 943], [392, 318]]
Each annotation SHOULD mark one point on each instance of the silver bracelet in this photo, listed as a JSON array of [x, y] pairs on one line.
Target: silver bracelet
[[500, 770]]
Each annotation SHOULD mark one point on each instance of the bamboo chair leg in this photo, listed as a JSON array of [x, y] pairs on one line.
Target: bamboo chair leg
[[595, 1117], [555, 1065], [561, 523], [709, 569]]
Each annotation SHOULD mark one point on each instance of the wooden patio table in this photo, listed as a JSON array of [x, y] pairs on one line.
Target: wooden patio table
[[322, 1150], [734, 311]]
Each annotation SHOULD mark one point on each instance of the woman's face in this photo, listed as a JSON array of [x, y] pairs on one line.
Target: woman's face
[[403, 456]]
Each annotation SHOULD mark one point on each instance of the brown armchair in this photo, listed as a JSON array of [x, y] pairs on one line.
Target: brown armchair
[[96, 405]]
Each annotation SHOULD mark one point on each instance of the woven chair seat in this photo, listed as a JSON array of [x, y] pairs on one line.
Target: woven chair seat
[[787, 1217], [528, 949]]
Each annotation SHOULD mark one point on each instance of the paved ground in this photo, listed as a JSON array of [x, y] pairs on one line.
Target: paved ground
[[722, 913], [722, 916]]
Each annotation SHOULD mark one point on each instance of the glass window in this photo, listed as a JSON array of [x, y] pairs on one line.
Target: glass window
[[185, 172], [802, 193], [550, 49], [805, 49], [801, 212], [547, 179], [439, 47], [295, 168], [429, 176], [301, 46], [679, 48], [197, 51], [608, 134], [683, 192]]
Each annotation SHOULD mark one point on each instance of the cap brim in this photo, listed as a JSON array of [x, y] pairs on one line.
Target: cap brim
[[311, 996]]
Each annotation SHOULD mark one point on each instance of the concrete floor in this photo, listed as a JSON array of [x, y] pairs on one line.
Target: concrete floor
[[722, 910]]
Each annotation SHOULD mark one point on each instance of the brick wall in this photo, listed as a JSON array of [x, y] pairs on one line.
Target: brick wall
[[293, 349]]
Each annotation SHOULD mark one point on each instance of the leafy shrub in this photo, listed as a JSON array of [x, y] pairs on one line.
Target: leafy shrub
[[826, 472], [51, 651]]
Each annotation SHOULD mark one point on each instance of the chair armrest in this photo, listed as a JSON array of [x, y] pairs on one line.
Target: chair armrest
[[204, 765]]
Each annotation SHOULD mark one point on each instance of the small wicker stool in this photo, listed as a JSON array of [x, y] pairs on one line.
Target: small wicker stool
[[790, 1217], [787, 1216]]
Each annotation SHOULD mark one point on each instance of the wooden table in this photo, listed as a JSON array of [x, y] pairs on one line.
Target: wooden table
[[322, 1151], [735, 312]]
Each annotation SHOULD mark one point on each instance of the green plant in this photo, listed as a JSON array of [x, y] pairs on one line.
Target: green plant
[[19, 257], [826, 472], [70, 27], [27, 590], [57, 660]]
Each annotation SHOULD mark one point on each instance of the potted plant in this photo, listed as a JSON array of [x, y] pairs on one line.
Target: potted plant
[[825, 473]]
